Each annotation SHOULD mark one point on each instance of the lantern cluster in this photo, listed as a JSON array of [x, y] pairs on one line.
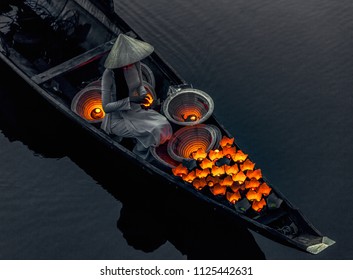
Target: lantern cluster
[[226, 171]]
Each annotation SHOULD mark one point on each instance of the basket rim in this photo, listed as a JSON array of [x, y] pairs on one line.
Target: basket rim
[[214, 132], [173, 95]]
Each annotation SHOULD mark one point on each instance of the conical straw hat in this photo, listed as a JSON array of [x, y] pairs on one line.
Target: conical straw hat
[[127, 50]]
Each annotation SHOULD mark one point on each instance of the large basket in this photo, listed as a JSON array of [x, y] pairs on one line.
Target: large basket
[[162, 156], [87, 103], [189, 139], [188, 107]]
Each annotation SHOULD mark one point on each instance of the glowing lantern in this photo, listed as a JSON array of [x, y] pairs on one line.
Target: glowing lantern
[[211, 181], [233, 197], [264, 189], [217, 170], [237, 187], [253, 195], [227, 181], [257, 174], [190, 118], [218, 189], [229, 151], [180, 170], [231, 169], [148, 100], [206, 163], [200, 154], [258, 205], [239, 156], [87, 103], [239, 177], [190, 177], [215, 154], [247, 165], [252, 184], [226, 141], [97, 113], [199, 183], [202, 173]]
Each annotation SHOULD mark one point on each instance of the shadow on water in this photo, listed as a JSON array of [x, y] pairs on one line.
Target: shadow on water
[[153, 211]]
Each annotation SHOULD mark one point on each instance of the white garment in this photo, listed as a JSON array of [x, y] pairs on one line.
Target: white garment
[[126, 119]]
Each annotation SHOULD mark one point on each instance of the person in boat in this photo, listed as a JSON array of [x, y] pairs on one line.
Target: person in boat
[[123, 93]]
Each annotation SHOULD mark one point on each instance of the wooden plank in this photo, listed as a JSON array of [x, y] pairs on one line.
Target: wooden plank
[[16, 61], [271, 217], [73, 63]]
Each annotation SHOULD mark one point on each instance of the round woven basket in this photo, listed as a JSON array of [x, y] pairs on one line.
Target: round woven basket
[[188, 107], [87, 101], [162, 156], [189, 139]]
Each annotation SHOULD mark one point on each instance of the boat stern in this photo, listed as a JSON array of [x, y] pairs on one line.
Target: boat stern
[[319, 247]]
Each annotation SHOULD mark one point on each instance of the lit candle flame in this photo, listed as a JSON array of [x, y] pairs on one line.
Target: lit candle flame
[[189, 118], [97, 113]]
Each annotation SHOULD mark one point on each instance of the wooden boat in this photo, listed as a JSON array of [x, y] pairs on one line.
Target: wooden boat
[[59, 47]]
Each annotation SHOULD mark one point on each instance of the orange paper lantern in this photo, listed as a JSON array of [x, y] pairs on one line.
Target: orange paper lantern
[[217, 170], [252, 184], [239, 177], [257, 174], [190, 177], [218, 189], [233, 197], [247, 165], [206, 163], [202, 173], [231, 169], [200, 154], [227, 181], [180, 170], [211, 181], [237, 187], [199, 183], [226, 141], [253, 195], [264, 189], [239, 156], [215, 154], [229, 151], [258, 205]]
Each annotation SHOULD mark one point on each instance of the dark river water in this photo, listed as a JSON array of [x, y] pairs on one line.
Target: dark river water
[[281, 76]]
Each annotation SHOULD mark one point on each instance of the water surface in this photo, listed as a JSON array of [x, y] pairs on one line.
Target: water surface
[[280, 74]]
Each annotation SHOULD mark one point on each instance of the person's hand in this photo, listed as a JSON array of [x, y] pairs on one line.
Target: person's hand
[[140, 99]]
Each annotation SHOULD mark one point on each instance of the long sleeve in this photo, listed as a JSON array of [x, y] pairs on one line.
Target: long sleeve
[[108, 90]]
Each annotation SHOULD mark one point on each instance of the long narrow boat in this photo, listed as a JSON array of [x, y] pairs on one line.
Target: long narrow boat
[[59, 48]]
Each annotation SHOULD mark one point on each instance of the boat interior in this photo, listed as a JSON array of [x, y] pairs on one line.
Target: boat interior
[[62, 46]]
